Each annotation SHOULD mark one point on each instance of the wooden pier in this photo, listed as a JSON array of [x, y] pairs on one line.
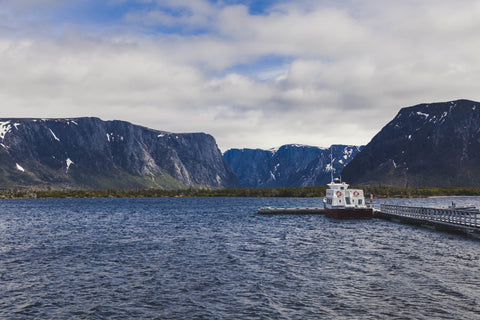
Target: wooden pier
[[451, 219], [288, 210]]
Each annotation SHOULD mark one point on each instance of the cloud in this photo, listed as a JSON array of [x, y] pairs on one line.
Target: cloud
[[297, 72]]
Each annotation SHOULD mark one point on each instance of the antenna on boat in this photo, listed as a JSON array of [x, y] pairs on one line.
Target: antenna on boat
[[331, 166]]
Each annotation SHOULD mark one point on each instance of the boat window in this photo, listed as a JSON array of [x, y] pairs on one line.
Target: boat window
[[341, 188], [359, 201], [347, 200]]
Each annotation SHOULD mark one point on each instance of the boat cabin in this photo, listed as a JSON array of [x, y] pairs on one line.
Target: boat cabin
[[339, 196]]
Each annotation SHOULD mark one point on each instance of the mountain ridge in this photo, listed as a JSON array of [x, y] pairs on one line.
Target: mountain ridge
[[290, 165], [425, 145], [88, 152]]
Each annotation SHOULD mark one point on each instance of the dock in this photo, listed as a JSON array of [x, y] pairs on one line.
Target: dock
[[465, 221], [289, 210]]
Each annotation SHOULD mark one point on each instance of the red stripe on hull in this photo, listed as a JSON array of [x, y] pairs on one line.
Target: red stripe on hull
[[349, 213]]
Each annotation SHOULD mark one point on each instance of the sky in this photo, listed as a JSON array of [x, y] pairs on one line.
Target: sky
[[254, 74]]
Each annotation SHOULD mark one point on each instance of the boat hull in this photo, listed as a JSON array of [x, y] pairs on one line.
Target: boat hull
[[358, 213]]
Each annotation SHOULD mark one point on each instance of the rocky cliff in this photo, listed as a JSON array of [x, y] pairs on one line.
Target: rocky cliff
[[289, 165], [434, 145], [91, 153]]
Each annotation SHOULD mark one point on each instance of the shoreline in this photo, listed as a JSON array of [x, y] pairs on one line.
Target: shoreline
[[301, 192]]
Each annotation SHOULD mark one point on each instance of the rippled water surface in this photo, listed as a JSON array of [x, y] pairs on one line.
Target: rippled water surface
[[215, 258]]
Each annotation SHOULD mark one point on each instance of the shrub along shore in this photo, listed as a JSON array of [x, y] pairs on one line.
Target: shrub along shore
[[379, 191]]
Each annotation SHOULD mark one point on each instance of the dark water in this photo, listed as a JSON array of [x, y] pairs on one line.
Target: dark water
[[215, 258]]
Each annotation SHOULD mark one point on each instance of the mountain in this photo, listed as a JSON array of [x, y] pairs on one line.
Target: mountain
[[431, 145], [91, 153], [289, 165]]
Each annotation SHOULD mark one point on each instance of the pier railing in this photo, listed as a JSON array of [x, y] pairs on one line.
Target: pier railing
[[466, 218]]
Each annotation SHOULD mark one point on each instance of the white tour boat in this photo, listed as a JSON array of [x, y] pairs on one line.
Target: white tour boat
[[343, 203]]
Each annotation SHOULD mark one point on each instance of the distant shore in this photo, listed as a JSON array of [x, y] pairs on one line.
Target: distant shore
[[378, 191]]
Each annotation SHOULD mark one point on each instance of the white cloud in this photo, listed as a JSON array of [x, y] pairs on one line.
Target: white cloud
[[351, 67]]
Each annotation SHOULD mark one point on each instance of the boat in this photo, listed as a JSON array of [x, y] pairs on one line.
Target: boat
[[343, 203], [469, 208]]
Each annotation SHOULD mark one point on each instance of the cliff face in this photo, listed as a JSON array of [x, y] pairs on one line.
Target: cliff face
[[91, 153], [289, 165], [432, 145]]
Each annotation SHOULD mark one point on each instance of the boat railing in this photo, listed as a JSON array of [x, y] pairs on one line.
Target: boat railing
[[467, 218]]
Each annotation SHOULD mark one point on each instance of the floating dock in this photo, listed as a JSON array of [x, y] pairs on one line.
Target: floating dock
[[456, 220], [296, 210], [466, 221]]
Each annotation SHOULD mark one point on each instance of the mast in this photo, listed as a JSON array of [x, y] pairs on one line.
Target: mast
[[331, 166]]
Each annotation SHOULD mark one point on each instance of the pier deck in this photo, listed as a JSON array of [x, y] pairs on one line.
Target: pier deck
[[452, 220], [296, 210]]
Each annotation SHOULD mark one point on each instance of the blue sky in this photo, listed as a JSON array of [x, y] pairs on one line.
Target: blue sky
[[110, 13], [99, 12], [251, 73]]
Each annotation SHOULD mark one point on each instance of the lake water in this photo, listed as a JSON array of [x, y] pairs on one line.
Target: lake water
[[215, 258]]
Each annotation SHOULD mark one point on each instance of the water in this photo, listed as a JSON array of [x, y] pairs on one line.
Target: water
[[215, 258]]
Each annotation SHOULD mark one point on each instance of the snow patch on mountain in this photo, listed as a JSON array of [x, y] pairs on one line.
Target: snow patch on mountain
[[53, 134], [348, 152], [426, 115], [69, 162], [4, 128], [272, 175], [19, 167]]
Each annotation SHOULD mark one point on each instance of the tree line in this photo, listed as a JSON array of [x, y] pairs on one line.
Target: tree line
[[378, 191]]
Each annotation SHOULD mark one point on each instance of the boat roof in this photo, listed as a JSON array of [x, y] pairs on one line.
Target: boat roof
[[335, 185]]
